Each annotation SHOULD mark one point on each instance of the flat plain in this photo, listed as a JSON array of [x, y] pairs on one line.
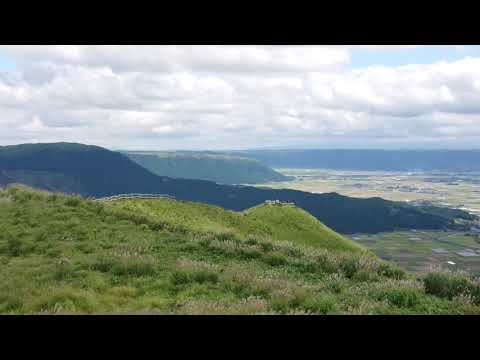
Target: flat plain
[[416, 251]]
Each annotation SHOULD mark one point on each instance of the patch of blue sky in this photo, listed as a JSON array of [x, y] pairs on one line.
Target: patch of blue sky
[[6, 63], [362, 58]]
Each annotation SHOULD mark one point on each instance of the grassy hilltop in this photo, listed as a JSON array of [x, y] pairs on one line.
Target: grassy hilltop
[[65, 254]]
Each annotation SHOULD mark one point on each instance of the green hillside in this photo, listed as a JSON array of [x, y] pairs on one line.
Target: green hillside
[[279, 223], [296, 225], [63, 254], [219, 168]]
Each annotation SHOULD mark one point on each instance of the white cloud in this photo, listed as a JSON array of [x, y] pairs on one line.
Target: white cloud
[[230, 97]]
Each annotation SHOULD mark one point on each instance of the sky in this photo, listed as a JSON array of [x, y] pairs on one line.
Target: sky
[[238, 97]]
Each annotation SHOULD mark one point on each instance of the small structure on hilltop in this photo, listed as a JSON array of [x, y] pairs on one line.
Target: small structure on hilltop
[[279, 203]]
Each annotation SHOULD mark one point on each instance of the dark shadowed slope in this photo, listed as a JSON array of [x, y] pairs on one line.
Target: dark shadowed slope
[[99, 172]]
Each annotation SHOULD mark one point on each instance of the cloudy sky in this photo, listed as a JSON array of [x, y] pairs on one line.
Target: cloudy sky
[[236, 97]]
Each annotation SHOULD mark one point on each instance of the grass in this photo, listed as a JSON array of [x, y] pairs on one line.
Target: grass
[[61, 254], [280, 223]]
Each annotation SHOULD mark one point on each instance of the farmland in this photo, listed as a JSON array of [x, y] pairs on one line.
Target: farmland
[[416, 251]]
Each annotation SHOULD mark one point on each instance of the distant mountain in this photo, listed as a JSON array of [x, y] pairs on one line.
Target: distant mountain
[[218, 168], [97, 172], [369, 160]]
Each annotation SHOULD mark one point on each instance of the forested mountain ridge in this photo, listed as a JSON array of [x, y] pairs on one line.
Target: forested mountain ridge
[[196, 165]]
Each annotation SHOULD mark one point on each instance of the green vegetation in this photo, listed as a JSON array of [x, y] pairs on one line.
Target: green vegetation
[[276, 222], [94, 171], [64, 254], [219, 168]]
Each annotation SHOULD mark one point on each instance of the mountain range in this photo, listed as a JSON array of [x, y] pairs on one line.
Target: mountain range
[[368, 160]]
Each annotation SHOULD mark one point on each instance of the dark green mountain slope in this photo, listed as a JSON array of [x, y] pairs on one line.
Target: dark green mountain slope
[[99, 172], [218, 168]]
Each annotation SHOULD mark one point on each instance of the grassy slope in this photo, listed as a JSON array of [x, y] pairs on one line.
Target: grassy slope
[[275, 222], [298, 226], [62, 254]]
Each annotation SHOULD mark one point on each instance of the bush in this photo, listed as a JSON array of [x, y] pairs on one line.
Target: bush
[[203, 276], [446, 285], [248, 254], [66, 300], [280, 305], [179, 278], [200, 276], [304, 301], [320, 305], [133, 268], [403, 297], [391, 272], [15, 247], [73, 201], [266, 247], [274, 260], [104, 264], [365, 276], [349, 267]]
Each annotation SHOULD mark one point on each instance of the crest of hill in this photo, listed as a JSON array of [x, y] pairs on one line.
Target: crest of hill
[[280, 223]]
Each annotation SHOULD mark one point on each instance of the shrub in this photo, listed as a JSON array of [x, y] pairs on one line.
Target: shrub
[[320, 305], [402, 297], [266, 247], [349, 267], [304, 301], [251, 241], [448, 285], [41, 236], [248, 254], [225, 237], [364, 276], [66, 300], [274, 260], [204, 276], [200, 276], [133, 268], [104, 264], [15, 247], [179, 278], [280, 305], [73, 201], [391, 272]]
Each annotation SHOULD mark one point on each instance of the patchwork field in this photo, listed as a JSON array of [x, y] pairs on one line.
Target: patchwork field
[[458, 190], [415, 251], [422, 251]]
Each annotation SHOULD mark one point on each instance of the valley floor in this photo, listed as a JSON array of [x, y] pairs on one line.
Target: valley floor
[[422, 251], [416, 251]]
